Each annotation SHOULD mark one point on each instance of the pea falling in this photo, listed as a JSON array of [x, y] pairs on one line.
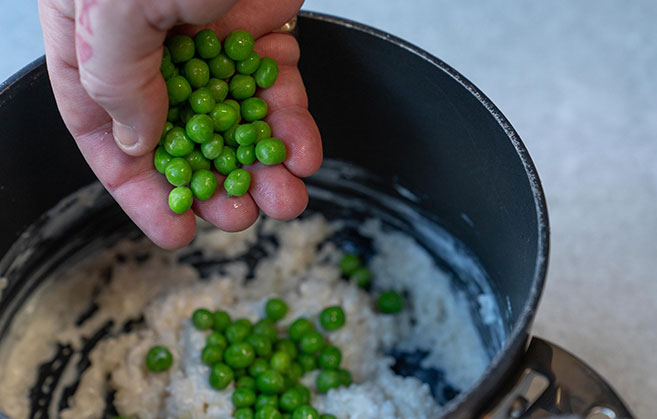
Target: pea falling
[[214, 119]]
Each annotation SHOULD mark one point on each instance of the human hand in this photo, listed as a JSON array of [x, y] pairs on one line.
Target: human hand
[[104, 59]]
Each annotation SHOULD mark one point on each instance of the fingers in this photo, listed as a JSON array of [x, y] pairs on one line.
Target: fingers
[[229, 214], [139, 189], [119, 51], [257, 16], [279, 194], [288, 106]]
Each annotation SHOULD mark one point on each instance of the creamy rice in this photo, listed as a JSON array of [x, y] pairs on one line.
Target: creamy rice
[[301, 270]]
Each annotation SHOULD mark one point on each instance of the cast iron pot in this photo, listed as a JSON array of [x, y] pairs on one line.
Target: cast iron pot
[[414, 125]]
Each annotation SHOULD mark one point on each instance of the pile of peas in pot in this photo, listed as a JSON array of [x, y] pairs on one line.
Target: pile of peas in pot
[[264, 363], [214, 119]]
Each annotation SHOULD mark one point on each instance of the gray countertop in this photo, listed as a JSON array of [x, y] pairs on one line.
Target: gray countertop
[[578, 81]]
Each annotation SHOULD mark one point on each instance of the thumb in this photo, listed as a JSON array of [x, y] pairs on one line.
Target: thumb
[[119, 51]]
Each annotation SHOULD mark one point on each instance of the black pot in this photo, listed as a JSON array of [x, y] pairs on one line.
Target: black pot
[[407, 119]]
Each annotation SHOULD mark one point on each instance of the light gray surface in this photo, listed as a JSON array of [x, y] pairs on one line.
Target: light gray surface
[[578, 82]]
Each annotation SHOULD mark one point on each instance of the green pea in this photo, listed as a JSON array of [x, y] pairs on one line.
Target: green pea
[[266, 73], [224, 117], [270, 382], [167, 69], [311, 342], [264, 130], [186, 112], [196, 72], [246, 382], [327, 379], [361, 276], [290, 399], [216, 338], [308, 362], [161, 159], [245, 154], [222, 67], [221, 320], [235, 104], [243, 397], [197, 161], [244, 413], [253, 109], [226, 162], [168, 126], [259, 366], [166, 54], [220, 376], [266, 328], [345, 377], [202, 319], [178, 172], [349, 263], [178, 89], [271, 151], [207, 44], [238, 45], [300, 327], [246, 134], [330, 358], [266, 400], [218, 88], [177, 143], [238, 330], [158, 359], [237, 182], [212, 354], [181, 48], [203, 184], [173, 114], [202, 101], [332, 318], [250, 64], [389, 302], [261, 345], [212, 149], [286, 345], [281, 362], [305, 393], [268, 412], [239, 355], [229, 136], [242, 86], [305, 412], [275, 309], [180, 199], [296, 371]]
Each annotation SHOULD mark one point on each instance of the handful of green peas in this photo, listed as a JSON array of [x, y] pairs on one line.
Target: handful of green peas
[[214, 119]]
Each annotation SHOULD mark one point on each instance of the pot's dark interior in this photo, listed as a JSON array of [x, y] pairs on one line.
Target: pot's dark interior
[[381, 104]]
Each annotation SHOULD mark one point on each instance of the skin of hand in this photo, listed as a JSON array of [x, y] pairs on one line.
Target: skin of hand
[[103, 59]]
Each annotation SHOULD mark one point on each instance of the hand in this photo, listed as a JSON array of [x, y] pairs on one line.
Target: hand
[[104, 58]]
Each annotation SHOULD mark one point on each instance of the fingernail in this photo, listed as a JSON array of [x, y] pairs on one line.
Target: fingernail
[[125, 136]]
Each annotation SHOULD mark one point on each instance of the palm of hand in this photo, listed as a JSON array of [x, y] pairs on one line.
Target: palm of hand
[[131, 179]]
